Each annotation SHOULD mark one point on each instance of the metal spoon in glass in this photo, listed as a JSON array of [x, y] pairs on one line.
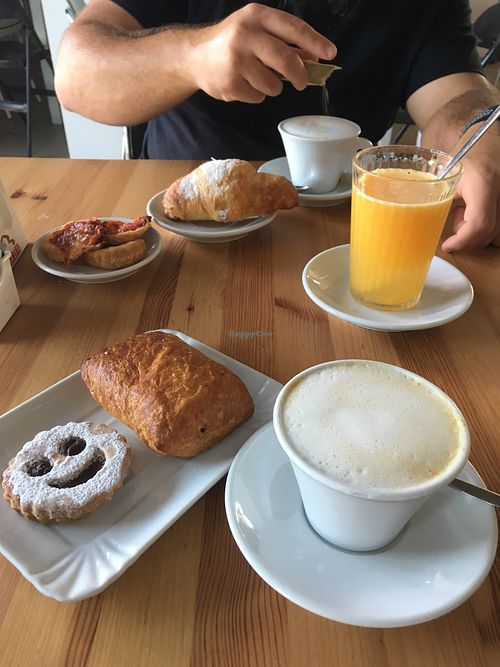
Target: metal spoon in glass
[[470, 142]]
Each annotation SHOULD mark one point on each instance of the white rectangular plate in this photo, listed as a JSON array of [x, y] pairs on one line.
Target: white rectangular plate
[[75, 560]]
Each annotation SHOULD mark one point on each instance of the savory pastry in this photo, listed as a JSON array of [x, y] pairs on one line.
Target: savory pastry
[[66, 472], [73, 239], [105, 244], [227, 191], [117, 232], [116, 256], [177, 400]]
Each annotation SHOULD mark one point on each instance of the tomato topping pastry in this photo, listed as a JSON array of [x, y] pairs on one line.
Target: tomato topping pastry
[[117, 226], [107, 244], [75, 238], [117, 232]]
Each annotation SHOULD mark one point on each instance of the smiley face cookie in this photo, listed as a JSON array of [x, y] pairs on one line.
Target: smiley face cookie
[[66, 472]]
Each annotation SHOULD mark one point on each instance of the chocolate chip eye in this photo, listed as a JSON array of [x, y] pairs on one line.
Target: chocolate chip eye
[[203, 429], [39, 467], [72, 446]]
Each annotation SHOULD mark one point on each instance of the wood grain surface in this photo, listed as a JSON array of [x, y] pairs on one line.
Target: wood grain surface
[[191, 598]]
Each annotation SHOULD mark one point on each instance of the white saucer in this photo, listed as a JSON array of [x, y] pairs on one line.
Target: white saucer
[[447, 294], [341, 193], [432, 567], [82, 273], [204, 231]]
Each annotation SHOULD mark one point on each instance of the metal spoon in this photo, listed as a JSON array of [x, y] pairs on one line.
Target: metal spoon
[[485, 495], [468, 144]]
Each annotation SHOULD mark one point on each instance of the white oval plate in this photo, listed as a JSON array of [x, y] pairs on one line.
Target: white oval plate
[[438, 561], [341, 193], [82, 273], [447, 294], [204, 231]]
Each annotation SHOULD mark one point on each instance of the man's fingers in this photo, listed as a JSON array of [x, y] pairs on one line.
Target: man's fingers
[[475, 225], [243, 91], [262, 78], [294, 31], [306, 55], [281, 59]]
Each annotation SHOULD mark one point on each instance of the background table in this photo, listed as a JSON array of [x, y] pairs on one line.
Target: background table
[[192, 599]]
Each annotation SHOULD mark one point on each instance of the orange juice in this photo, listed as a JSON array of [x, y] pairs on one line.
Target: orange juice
[[397, 218]]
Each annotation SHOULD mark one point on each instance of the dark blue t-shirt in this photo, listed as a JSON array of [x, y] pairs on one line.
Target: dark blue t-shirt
[[387, 49]]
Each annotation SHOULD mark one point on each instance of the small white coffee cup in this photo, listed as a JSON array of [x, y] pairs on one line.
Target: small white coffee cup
[[369, 443], [319, 149]]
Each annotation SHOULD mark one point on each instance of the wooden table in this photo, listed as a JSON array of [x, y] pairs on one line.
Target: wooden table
[[191, 598]]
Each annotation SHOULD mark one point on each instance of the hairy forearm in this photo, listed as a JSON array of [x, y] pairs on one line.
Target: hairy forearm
[[445, 127], [135, 76]]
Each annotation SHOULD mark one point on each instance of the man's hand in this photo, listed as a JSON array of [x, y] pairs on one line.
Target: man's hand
[[476, 223], [441, 108], [243, 57]]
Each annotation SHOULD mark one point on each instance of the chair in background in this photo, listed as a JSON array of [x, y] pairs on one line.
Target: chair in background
[[16, 21], [487, 31], [133, 136]]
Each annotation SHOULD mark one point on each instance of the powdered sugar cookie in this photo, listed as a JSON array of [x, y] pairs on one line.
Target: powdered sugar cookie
[[66, 472]]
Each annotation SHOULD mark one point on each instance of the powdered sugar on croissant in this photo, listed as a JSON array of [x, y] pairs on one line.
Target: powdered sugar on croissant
[[227, 191]]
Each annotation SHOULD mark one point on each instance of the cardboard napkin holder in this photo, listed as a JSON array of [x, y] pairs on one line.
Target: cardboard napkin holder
[[12, 237], [9, 298]]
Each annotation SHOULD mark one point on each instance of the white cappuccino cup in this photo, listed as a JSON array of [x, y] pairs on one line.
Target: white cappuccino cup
[[369, 443], [319, 150]]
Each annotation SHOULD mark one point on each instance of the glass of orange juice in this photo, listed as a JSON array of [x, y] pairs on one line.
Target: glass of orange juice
[[399, 208]]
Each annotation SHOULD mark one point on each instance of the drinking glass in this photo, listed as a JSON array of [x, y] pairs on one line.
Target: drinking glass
[[399, 208]]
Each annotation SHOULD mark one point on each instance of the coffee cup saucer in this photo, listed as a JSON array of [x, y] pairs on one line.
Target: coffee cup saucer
[[341, 193], [436, 563], [447, 294]]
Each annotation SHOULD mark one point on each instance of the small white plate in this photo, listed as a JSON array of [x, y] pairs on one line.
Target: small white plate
[[204, 231], [342, 192], [77, 559], [447, 294], [82, 273], [433, 566]]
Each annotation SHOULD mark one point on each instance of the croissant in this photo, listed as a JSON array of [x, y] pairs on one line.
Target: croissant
[[227, 191]]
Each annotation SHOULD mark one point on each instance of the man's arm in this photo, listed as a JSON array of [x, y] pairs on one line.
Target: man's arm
[[111, 70], [441, 109]]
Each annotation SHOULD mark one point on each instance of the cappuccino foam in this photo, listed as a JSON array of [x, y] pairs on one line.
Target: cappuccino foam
[[320, 127], [371, 427]]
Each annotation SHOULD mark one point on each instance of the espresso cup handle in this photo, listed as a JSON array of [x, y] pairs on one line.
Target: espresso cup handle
[[361, 142], [357, 144]]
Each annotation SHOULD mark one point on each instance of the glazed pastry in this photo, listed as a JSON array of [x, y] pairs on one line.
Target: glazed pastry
[[116, 256], [177, 400], [66, 472], [227, 191], [73, 239], [117, 232]]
